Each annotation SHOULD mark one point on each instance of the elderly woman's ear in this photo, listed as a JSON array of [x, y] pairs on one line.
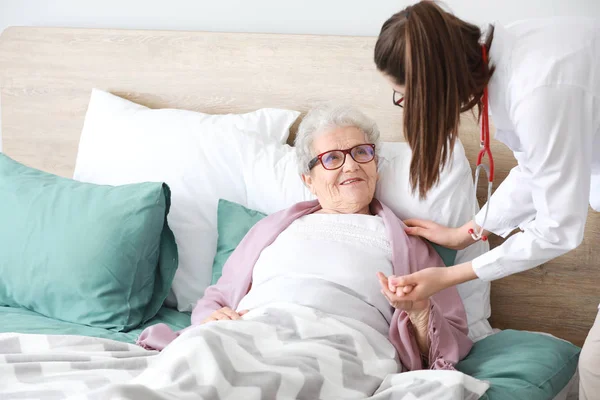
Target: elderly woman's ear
[[307, 180]]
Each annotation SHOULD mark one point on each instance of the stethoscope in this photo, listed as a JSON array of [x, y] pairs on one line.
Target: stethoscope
[[484, 149]]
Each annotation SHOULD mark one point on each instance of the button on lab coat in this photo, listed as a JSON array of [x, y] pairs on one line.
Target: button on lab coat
[[545, 104]]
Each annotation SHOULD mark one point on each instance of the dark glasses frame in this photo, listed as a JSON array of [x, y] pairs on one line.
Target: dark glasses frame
[[399, 101], [319, 158]]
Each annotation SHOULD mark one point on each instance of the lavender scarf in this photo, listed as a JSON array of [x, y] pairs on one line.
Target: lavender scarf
[[447, 321]]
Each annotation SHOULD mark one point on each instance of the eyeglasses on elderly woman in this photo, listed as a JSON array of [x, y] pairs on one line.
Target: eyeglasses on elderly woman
[[334, 159]]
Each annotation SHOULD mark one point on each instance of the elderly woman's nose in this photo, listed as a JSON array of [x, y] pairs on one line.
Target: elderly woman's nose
[[350, 164]]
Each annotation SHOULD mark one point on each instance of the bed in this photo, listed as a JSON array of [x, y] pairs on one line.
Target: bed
[[46, 77]]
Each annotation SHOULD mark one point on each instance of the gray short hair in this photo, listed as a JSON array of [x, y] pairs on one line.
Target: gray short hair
[[328, 116]]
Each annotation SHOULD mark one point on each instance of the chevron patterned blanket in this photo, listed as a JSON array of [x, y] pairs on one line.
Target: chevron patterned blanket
[[283, 351]]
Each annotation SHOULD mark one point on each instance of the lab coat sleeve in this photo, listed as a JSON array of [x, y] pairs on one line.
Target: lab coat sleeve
[[554, 125], [510, 205]]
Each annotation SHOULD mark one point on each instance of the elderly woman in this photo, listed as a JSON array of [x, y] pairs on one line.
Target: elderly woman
[[335, 255]]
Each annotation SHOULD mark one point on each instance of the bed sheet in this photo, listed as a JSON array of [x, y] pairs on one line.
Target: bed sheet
[[20, 320]]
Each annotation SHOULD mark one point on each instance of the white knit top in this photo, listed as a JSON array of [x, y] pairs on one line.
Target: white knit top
[[329, 262]]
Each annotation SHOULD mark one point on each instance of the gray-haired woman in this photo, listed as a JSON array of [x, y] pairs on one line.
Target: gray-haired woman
[[334, 255]]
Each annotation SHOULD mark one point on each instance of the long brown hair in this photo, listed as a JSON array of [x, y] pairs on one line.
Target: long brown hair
[[437, 57]]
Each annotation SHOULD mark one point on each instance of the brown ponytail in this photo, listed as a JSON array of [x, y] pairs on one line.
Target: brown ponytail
[[437, 58]]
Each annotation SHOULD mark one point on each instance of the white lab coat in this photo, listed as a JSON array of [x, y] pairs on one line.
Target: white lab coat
[[545, 104]]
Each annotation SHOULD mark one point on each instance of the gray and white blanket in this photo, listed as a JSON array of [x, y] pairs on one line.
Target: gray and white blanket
[[278, 352]]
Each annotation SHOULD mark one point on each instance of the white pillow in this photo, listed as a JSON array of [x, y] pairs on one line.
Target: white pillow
[[273, 183], [196, 154]]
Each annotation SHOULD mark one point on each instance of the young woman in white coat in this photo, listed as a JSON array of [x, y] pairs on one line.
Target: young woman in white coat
[[541, 79]]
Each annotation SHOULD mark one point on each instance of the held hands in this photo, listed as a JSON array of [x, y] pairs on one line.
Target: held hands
[[417, 310], [421, 285], [224, 314], [396, 297]]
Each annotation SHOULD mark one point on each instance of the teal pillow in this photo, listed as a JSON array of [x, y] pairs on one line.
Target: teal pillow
[[235, 220], [448, 255], [95, 255], [521, 365]]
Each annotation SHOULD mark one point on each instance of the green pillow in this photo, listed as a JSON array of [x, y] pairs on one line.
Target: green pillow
[[95, 255], [448, 255], [235, 220], [521, 365]]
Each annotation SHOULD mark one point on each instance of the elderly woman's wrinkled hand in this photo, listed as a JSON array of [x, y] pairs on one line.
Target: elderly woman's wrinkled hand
[[397, 300], [225, 314]]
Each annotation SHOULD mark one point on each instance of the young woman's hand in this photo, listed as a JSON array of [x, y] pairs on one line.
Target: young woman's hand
[[423, 284], [452, 238]]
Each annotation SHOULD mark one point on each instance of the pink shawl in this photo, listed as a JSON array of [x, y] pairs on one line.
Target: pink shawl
[[448, 330]]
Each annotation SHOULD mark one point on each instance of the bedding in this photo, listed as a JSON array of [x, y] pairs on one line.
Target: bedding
[[522, 365], [196, 154], [242, 158], [514, 363], [571, 390], [20, 320], [279, 351], [94, 255]]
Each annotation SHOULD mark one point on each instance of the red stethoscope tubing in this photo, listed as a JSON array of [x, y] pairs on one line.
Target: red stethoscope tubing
[[485, 150]]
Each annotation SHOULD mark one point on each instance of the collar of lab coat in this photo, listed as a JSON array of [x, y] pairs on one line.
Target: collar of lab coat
[[501, 57]]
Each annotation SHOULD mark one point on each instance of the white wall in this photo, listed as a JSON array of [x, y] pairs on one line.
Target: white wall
[[338, 17]]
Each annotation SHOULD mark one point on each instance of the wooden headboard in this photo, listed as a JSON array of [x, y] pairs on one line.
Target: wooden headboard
[[46, 75]]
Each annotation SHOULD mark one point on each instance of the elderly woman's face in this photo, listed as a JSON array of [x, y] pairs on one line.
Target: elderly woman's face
[[350, 188]]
